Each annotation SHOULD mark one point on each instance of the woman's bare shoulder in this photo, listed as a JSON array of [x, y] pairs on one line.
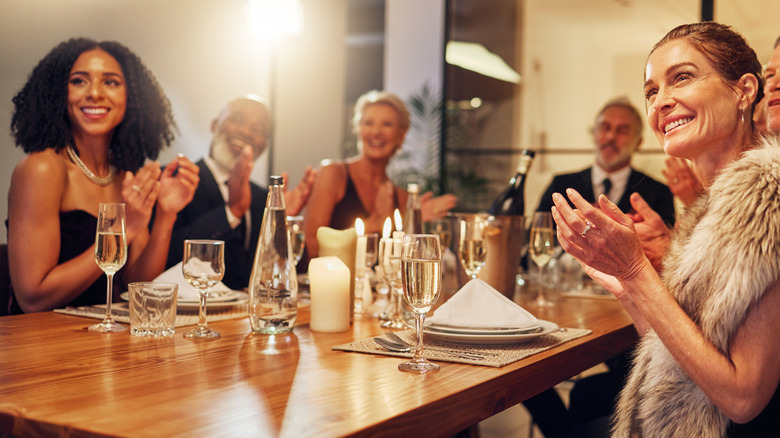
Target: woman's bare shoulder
[[46, 167], [332, 171]]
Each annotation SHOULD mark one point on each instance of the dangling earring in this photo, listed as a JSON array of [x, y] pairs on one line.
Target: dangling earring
[[742, 110]]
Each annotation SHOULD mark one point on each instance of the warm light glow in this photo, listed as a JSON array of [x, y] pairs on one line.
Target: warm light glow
[[359, 227], [477, 58], [387, 228], [273, 18], [399, 225]]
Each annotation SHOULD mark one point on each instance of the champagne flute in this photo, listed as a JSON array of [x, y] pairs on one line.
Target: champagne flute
[[441, 227], [421, 277], [203, 266], [541, 248], [372, 246], [110, 255], [297, 239], [472, 249]]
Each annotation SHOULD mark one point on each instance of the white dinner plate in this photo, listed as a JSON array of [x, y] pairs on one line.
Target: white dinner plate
[[483, 330], [234, 298], [516, 338]]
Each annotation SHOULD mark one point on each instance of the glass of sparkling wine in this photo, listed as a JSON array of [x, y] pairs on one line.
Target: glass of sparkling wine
[[110, 255], [203, 266], [541, 248], [421, 278], [472, 249], [297, 238]]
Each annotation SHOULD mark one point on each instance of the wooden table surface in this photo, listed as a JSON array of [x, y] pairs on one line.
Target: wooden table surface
[[58, 378]]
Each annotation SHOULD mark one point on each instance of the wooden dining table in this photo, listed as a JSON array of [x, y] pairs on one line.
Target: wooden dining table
[[57, 378]]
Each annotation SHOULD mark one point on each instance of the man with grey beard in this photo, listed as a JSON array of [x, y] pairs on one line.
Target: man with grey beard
[[227, 205]]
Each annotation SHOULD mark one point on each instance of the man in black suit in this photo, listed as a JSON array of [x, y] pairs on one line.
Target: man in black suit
[[227, 205], [617, 134]]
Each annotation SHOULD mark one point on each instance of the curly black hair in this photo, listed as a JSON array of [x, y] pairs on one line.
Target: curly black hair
[[40, 120]]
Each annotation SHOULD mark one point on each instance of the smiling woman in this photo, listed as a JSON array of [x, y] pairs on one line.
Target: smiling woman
[[116, 118], [359, 186]]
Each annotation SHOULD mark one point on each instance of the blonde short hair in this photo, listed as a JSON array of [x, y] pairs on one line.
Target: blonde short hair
[[375, 97]]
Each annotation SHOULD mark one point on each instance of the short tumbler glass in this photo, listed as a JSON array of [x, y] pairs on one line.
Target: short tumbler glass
[[153, 308]]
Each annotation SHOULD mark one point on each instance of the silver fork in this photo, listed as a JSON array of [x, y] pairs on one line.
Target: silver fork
[[405, 348], [401, 341]]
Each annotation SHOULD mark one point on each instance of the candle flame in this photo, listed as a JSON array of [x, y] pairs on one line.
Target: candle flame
[[359, 227], [387, 228], [399, 225]]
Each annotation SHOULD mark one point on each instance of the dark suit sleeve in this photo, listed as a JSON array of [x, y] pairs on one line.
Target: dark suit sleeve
[[546, 202], [197, 223], [657, 195], [203, 218]]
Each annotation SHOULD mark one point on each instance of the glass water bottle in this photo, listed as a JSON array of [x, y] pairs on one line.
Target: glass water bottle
[[273, 286]]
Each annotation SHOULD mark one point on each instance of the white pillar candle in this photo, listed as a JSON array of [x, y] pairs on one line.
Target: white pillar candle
[[339, 243], [329, 280]]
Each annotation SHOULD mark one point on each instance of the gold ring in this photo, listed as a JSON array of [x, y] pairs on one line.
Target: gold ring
[[136, 189]]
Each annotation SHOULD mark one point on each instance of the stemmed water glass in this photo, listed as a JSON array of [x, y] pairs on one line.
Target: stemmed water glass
[[203, 266], [541, 248], [390, 262], [364, 269], [297, 239], [110, 255], [421, 278], [472, 249]]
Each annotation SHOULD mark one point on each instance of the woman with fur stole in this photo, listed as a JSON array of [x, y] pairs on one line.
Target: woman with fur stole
[[708, 364]]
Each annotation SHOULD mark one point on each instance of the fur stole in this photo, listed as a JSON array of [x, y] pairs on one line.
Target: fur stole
[[724, 255]]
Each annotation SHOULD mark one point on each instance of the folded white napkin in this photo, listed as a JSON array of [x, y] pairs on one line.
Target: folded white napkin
[[478, 305], [187, 293]]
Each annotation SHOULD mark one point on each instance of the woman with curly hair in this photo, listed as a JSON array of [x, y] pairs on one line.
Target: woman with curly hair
[[88, 117]]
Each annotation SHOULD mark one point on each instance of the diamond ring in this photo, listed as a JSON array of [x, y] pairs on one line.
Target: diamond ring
[[587, 228]]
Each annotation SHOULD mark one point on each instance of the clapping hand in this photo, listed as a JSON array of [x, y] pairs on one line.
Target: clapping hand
[[177, 184], [139, 193], [296, 198], [681, 180], [653, 233], [239, 188], [435, 208]]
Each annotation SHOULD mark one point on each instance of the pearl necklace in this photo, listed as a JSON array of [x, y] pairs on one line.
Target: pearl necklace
[[88, 173]]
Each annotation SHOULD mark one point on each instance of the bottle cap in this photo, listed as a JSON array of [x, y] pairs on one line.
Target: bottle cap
[[529, 152], [413, 188], [277, 180]]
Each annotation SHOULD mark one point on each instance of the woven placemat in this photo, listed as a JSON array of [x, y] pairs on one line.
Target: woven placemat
[[492, 355], [120, 313]]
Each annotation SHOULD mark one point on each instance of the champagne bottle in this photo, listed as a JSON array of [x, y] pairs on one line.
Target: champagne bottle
[[273, 286], [511, 201], [413, 213]]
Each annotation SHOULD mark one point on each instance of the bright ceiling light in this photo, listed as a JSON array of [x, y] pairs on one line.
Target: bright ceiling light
[[273, 18], [475, 57]]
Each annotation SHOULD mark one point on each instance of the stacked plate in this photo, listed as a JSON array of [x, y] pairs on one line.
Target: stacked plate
[[490, 335], [216, 299]]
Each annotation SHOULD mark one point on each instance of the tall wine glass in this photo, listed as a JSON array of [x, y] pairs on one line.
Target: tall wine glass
[[390, 262], [110, 255], [472, 249], [421, 277], [541, 247], [203, 266], [297, 239]]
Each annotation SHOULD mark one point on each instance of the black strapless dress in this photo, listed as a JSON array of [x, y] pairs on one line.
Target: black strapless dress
[[77, 234]]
